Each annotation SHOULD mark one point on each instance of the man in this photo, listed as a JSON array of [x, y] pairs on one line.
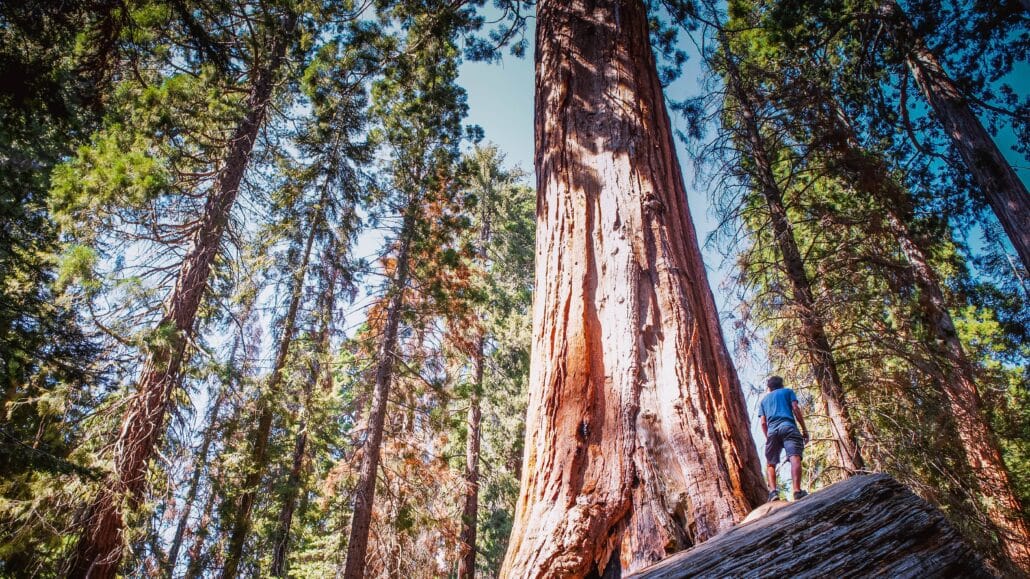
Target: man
[[777, 413]]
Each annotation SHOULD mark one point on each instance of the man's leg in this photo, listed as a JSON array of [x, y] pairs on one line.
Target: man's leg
[[773, 447], [795, 472]]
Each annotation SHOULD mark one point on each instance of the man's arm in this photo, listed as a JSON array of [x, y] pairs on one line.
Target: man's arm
[[765, 426], [801, 419]]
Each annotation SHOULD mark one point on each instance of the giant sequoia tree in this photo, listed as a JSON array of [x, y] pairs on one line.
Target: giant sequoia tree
[[637, 439]]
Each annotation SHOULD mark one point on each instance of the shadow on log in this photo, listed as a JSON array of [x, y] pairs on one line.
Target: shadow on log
[[868, 525]]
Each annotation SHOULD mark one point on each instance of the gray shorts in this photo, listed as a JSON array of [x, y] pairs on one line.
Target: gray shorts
[[783, 435]]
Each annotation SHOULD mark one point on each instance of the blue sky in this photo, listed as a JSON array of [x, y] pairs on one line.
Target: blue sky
[[500, 98]]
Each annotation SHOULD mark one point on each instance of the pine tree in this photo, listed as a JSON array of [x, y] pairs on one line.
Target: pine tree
[[1004, 190], [98, 552], [420, 109], [752, 142]]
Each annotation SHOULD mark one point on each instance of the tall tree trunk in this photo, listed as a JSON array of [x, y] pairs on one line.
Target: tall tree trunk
[[198, 469], [817, 342], [99, 551], [638, 442], [1005, 192], [364, 493], [267, 403], [470, 512], [281, 539], [956, 373]]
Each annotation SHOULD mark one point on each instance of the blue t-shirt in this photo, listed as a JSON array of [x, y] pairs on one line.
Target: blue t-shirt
[[777, 406]]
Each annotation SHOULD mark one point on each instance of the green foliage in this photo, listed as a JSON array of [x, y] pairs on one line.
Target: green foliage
[[116, 118], [809, 69]]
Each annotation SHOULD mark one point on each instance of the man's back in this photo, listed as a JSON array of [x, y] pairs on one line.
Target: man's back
[[777, 406]]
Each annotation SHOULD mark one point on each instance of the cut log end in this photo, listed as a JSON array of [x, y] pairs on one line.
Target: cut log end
[[868, 525]]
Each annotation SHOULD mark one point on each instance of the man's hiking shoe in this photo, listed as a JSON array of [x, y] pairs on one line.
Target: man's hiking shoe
[[798, 495], [773, 496]]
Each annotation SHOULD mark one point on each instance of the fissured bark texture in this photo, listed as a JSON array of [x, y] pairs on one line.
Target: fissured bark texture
[[637, 438]]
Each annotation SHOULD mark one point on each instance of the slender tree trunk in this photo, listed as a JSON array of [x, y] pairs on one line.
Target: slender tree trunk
[[470, 511], [1005, 192], [817, 342], [469, 514], [267, 404], [637, 438], [99, 551], [281, 540], [198, 470], [293, 482], [956, 372], [364, 493]]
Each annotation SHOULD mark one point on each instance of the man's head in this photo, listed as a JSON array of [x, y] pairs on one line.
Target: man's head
[[774, 383]]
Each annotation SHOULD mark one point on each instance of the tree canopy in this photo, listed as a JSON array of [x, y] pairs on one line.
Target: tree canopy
[[272, 304]]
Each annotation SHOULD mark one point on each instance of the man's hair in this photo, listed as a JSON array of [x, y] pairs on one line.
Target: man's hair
[[774, 383]]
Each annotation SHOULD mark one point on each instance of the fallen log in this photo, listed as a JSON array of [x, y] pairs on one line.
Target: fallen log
[[868, 525]]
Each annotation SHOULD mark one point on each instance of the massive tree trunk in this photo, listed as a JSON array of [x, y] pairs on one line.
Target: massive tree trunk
[[817, 343], [267, 402], [867, 526], [955, 372], [99, 551], [364, 493], [637, 438], [1005, 192], [470, 512]]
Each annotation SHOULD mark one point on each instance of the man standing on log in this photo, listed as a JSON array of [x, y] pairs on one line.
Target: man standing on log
[[777, 413]]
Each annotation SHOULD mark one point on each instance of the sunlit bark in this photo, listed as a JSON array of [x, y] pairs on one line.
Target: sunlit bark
[[99, 551], [637, 438]]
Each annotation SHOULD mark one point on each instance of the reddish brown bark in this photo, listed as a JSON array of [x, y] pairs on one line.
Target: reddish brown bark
[[1005, 192], [817, 343], [99, 551], [259, 452], [955, 372], [637, 438], [364, 493]]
